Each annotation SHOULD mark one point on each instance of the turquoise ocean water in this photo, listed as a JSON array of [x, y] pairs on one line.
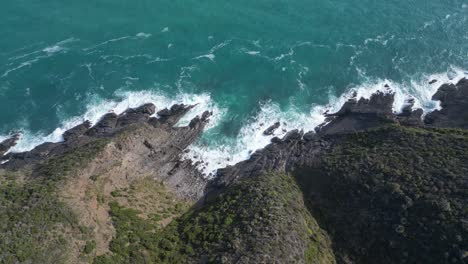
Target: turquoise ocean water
[[251, 62]]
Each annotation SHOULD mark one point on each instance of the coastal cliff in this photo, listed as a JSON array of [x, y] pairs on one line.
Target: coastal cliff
[[368, 186]]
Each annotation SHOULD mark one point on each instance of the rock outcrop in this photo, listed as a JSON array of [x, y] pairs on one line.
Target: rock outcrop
[[454, 102], [360, 114], [8, 143], [410, 117], [270, 130]]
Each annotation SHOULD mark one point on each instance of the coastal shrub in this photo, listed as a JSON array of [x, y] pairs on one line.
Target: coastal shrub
[[253, 212], [392, 194], [34, 223]]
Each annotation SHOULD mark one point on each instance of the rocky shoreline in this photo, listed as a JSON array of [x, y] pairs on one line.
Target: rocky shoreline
[[335, 167]]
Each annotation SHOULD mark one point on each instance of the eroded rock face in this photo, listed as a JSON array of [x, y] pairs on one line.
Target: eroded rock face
[[153, 145], [454, 102], [360, 114]]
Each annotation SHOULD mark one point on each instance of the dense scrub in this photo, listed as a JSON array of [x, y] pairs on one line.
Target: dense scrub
[[34, 224], [256, 220], [393, 195]]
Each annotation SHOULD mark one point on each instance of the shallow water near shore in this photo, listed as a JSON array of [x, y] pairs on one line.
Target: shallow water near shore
[[251, 63]]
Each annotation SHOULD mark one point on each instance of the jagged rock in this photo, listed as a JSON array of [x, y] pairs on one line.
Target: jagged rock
[[309, 136], [454, 102], [76, 131], [198, 121], [293, 135], [147, 109], [136, 115], [269, 131], [104, 126], [409, 117], [171, 116], [8, 144], [360, 114]]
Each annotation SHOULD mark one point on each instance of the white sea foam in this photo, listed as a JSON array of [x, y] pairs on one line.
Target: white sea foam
[[107, 42], [164, 30], [206, 56], [53, 49], [251, 137], [143, 35], [97, 107], [251, 52], [40, 54]]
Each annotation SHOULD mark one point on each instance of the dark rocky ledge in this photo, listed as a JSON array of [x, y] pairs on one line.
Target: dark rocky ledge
[[454, 102]]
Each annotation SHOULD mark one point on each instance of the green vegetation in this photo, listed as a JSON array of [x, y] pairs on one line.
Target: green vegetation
[[89, 247], [34, 224], [394, 192], [256, 218]]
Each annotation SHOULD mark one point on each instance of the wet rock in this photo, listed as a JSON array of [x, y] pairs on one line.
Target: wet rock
[[276, 140], [198, 121], [454, 102], [408, 116], [270, 130], [76, 131], [104, 126], [172, 115], [8, 144], [293, 135], [356, 115], [136, 115], [147, 109], [309, 136], [433, 81]]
